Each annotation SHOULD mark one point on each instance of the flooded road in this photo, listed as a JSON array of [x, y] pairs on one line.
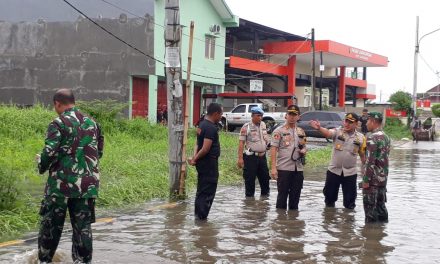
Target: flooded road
[[242, 230]]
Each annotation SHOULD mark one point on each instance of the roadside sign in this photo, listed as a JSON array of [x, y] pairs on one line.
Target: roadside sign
[[172, 57], [256, 85]]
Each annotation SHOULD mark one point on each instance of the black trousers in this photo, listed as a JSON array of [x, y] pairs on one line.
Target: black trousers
[[289, 185], [255, 166], [349, 190], [207, 179]]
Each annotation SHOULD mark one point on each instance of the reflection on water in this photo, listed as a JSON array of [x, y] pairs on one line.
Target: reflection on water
[[243, 230]]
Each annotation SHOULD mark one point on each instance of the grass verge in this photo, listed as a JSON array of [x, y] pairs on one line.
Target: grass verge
[[395, 129]]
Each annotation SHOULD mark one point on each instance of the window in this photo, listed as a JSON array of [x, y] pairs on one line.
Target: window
[[250, 107], [209, 47], [239, 109], [307, 117]]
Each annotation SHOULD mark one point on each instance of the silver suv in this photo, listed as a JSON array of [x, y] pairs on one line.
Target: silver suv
[[327, 119]]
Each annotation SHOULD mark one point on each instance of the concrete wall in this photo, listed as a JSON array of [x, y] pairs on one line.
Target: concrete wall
[[46, 45]]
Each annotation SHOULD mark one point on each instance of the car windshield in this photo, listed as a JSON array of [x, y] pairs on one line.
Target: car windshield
[[315, 116], [322, 116], [239, 109]]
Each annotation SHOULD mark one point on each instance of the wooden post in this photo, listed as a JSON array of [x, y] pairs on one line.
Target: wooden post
[[186, 120], [173, 74]]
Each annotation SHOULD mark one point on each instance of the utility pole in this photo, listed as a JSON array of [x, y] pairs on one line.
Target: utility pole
[[173, 72], [186, 120], [321, 69], [416, 56], [312, 100]]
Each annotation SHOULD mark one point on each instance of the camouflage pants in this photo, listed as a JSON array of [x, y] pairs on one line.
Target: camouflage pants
[[53, 213], [374, 204]]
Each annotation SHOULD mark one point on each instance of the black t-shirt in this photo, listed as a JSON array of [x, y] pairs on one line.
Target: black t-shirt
[[208, 130], [364, 120]]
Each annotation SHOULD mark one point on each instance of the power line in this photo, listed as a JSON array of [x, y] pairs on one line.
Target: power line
[[128, 44], [110, 33], [155, 59], [276, 65], [162, 26], [199, 39], [429, 66]]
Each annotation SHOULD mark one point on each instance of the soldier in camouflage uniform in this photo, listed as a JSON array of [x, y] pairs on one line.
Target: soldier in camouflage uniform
[[376, 171], [73, 147]]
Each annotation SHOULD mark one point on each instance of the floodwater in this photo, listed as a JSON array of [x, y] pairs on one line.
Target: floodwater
[[242, 230]]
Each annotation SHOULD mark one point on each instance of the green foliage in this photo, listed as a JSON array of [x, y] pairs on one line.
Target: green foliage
[[401, 101], [19, 129], [19, 219], [102, 110], [8, 190], [318, 157], [435, 108], [395, 129]]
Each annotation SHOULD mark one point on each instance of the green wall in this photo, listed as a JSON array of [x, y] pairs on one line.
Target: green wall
[[204, 15]]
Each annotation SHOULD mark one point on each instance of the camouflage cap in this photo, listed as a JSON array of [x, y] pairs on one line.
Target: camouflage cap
[[375, 115]]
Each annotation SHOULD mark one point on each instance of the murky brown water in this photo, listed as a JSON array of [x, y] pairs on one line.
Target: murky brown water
[[243, 230]]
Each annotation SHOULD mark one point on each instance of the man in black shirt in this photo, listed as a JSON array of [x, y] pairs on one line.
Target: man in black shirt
[[364, 119], [207, 151]]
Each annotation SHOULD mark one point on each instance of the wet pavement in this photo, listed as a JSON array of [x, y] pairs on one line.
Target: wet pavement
[[242, 230]]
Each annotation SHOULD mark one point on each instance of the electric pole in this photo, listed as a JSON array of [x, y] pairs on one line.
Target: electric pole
[[173, 72], [321, 69], [312, 99], [416, 55]]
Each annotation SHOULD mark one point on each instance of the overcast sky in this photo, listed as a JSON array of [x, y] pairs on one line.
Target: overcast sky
[[382, 27]]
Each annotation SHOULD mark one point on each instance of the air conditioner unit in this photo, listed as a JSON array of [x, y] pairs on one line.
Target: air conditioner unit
[[216, 29]]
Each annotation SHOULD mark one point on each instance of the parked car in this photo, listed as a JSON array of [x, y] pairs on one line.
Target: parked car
[[327, 119], [241, 114]]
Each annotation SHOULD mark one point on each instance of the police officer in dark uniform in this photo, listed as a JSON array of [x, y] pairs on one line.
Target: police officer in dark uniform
[[207, 151], [252, 153]]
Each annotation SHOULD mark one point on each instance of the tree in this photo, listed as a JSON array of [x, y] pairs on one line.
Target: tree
[[401, 101], [436, 109]]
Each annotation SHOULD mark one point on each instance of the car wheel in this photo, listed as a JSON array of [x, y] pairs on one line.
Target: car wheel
[[223, 124], [231, 128]]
